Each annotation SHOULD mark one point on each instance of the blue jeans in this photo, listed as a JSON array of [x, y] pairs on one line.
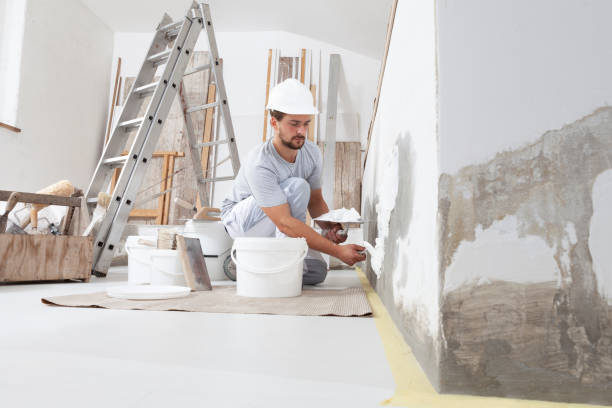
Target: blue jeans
[[247, 219]]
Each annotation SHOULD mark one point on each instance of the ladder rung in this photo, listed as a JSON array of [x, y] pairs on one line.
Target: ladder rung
[[146, 89], [206, 144], [92, 200], [222, 161], [208, 180], [115, 161], [131, 123], [160, 56], [197, 69], [202, 107], [171, 27]]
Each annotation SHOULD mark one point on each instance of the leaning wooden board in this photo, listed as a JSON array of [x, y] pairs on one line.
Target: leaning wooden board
[[27, 258]]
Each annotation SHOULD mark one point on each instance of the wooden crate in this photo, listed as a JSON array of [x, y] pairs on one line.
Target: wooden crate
[[27, 258]]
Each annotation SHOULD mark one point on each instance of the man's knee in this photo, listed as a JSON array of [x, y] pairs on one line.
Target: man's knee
[[298, 194], [315, 271]]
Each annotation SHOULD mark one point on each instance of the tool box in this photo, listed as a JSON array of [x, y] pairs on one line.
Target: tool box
[[46, 257]]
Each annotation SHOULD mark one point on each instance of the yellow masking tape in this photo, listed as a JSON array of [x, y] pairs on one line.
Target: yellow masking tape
[[413, 389]]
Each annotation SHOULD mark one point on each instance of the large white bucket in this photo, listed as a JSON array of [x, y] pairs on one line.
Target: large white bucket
[[269, 267], [147, 265], [216, 244]]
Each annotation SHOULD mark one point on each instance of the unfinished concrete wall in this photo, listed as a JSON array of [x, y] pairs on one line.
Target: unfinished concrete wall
[[400, 184], [494, 209], [63, 99], [524, 192]]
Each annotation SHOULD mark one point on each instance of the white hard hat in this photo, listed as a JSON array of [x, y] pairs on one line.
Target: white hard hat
[[291, 97]]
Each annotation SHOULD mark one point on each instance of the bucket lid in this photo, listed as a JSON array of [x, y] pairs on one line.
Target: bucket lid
[[269, 244]]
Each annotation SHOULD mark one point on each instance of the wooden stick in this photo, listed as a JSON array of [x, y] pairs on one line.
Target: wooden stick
[[208, 125], [313, 91], [166, 211], [45, 199], [380, 80], [302, 65], [265, 131], [9, 127], [162, 198], [144, 213], [118, 92], [113, 101]]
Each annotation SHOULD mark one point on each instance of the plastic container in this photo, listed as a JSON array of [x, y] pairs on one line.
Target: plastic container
[[216, 244], [269, 267], [148, 265]]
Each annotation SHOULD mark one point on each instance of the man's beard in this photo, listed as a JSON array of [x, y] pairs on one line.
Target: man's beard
[[292, 143]]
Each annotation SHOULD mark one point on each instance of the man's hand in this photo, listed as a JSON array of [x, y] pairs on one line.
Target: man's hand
[[351, 254]]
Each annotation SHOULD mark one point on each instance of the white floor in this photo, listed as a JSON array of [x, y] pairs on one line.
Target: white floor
[[73, 357]]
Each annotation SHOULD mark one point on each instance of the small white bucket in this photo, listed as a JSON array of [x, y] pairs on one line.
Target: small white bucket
[[152, 265], [269, 267]]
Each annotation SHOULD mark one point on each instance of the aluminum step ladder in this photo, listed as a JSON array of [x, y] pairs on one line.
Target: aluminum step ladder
[[170, 52]]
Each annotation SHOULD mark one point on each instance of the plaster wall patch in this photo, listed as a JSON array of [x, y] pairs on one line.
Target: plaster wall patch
[[386, 192], [500, 254]]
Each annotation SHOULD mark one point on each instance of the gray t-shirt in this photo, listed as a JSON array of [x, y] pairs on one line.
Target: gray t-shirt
[[264, 170]]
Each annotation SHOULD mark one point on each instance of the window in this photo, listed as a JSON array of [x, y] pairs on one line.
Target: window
[[12, 21]]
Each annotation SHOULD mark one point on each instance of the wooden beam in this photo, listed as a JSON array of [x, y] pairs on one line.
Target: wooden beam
[[169, 176], [265, 130], [329, 158], [162, 198], [46, 199], [302, 65], [144, 213], [381, 74], [113, 101], [313, 91], [9, 127], [208, 127]]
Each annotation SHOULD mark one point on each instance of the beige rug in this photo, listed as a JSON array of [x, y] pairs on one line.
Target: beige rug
[[223, 299]]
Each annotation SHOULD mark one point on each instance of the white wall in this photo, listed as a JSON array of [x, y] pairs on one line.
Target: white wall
[[245, 56], [63, 97], [511, 70], [406, 120]]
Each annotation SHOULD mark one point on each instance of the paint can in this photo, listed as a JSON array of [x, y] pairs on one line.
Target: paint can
[[269, 267], [147, 265]]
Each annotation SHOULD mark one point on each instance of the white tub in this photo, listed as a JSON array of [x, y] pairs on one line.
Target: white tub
[[149, 265], [269, 267]]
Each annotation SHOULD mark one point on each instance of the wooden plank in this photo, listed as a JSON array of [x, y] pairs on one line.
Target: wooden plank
[[381, 74], [47, 199], [113, 101], [208, 127], [330, 126], [265, 131], [302, 65], [9, 127], [44, 257], [119, 92], [193, 262], [144, 213], [162, 199], [313, 118], [166, 210], [347, 179]]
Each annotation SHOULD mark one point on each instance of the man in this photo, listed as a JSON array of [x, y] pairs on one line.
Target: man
[[280, 180]]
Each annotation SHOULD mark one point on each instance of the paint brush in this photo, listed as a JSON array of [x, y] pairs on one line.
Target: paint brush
[[98, 214]]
